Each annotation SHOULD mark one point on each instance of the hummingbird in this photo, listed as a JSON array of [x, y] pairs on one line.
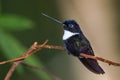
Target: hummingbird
[[76, 43]]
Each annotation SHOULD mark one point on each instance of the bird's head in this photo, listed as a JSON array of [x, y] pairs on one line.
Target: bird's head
[[69, 25]]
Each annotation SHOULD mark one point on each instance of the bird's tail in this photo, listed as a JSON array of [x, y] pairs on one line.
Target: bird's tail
[[92, 65]]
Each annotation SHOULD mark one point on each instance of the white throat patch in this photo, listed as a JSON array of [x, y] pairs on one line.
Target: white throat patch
[[68, 34]]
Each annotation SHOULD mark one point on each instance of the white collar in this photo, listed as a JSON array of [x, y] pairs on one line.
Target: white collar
[[68, 34]]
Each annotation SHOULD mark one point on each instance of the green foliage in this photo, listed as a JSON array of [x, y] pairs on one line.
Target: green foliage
[[13, 22], [12, 48], [10, 45]]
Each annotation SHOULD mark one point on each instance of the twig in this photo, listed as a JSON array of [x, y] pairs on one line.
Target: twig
[[54, 47], [12, 69], [30, 51], [100, 59], [35, 47]]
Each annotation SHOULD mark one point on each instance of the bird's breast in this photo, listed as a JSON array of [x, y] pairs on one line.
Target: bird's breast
[[67, 34]]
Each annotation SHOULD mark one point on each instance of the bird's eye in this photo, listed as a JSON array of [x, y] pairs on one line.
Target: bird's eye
[[71, 25]]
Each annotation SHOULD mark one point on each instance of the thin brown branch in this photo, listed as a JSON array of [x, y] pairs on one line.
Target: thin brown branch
[[54, 47], [12, 69], [31, 50], [35, 47], [100, 59]]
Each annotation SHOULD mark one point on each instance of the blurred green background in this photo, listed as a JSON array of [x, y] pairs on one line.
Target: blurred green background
[[21, 24]]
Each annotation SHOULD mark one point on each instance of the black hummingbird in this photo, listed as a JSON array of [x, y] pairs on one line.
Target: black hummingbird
[[75, 43]]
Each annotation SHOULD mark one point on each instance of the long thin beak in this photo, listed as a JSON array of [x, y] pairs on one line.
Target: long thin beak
[[53, 19]]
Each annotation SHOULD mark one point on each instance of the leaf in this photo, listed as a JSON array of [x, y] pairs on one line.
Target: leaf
[[10, 45], [12, 49], [42, 75], [13, 22]]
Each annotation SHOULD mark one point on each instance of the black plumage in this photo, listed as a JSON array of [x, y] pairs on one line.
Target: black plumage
[[75, 43]]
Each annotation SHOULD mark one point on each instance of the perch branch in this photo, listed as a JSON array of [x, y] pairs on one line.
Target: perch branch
[[100, 59], [17, 61], [35, 47]]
